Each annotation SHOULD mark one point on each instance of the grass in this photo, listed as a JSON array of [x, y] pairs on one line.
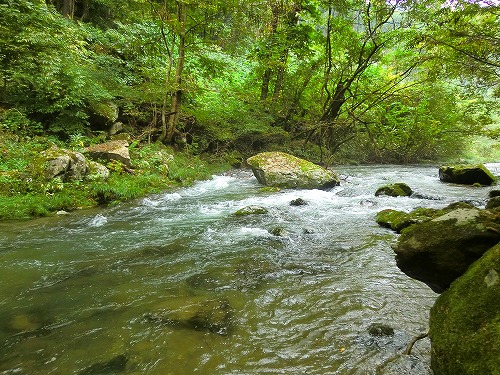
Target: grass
[[25, 193]]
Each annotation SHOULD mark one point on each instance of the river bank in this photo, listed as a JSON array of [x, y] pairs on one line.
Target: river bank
[[26, 193]]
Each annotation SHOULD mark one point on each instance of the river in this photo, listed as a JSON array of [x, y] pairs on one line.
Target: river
[[110, 290]]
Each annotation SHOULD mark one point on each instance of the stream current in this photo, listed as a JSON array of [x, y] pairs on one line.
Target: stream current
[[87, 293]]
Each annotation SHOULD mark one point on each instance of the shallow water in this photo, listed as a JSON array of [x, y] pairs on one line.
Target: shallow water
[[109, 290]]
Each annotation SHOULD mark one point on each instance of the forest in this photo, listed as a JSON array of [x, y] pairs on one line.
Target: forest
[[333, 81]]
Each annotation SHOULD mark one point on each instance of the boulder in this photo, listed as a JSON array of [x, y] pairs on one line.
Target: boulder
[[466, 174], [251, 210], [97, 171], [283, 170], [63, 164], [493, 203], [438, 251], [398, 189], [112, 150], [494, 193], [465, 321], [298, 202], [399, 220]]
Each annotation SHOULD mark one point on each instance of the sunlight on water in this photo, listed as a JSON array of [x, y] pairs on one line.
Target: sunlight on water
[[177, 284]]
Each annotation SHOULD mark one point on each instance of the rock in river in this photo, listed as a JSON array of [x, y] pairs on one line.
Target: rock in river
[[466, 174], [283, 170], [440, 250], [465, 321], [398, 189]]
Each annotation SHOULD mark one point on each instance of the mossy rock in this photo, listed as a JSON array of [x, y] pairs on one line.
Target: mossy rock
[[251, 210], [398, 189], [465, 321], [493, 203], [494, 193], [279, 169], [399, 220], [467, 174], [440, 250]]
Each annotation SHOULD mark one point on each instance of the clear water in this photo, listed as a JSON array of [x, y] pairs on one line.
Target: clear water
[[79, 291]]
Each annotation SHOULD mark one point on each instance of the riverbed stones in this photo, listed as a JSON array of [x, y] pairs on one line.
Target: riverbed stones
[[112, 150], [465, 321], [467, 174], [283, 170], [440, 250], [398, 189]]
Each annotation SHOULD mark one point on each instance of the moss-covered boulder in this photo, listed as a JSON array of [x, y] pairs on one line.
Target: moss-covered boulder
[[440, 250], [466, 174], [63, 164], [399, 220], [398, 189], [251, 210], [465, 321], [493, 203], [283, 170]]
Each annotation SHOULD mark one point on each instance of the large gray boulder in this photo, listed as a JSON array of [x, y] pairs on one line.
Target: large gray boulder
[[63, 164], [279, 169], [465, 321], [466, 174], [438, 251], [112, 150]]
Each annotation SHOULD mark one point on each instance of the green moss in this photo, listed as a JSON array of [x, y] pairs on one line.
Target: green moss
[[398, 189], [251, 210], [465, 321], [399, 220]]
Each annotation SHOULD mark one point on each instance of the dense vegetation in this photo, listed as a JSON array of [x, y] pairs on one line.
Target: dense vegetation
[[330, 80]]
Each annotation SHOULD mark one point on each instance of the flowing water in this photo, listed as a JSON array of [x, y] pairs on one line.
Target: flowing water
[[177, 284]]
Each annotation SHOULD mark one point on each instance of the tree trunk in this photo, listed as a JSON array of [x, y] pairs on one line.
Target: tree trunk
[[68, 8], [266, 78], [175, 105]]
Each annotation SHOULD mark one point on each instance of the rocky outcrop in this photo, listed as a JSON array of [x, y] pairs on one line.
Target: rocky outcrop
[[438, 251], [398, 189], [63, 164], [112, 150], [97, 171], [466, 174], [465, 321], [283, 170]]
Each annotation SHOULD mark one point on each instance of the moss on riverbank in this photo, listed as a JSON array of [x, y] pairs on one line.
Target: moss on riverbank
[[25, 193]]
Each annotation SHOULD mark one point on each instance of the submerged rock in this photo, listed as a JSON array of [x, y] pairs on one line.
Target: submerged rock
[[465, 321], [398, 189], [196, 313], [113, 366], [283, 170], [466, 174], [440, 250]]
